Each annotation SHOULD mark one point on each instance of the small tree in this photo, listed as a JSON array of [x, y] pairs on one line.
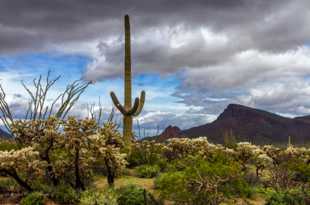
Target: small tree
[[76, 143], [106, 145]]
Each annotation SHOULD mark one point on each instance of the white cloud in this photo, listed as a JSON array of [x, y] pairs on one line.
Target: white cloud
[[291, 96], [251, 66], [161, 50]]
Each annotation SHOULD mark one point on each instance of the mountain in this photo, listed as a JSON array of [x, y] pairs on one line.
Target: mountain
[[254, 125], [169, 132], [4, 134], [303, 118]]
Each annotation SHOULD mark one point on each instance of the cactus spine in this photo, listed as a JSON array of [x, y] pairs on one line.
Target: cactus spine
[[128, 111]]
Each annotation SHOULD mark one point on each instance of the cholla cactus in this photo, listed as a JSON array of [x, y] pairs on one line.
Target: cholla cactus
[[128, 110], [26, 161], [106, 147]]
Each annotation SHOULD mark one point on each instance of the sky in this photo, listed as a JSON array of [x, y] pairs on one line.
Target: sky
[[192, 58]]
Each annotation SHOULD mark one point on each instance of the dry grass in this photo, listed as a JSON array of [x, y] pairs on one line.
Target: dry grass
[[148, 184], [258, 200]]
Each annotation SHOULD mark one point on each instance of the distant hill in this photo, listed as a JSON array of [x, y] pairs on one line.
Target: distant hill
[[169, 132], [249, 124], [4, 134]]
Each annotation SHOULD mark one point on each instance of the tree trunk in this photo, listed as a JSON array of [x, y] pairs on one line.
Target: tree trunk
[[49, 169], [110, 173], [12, 173], [78, 182]]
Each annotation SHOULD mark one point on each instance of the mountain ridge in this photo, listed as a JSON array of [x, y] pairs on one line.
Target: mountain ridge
[[250, 124]]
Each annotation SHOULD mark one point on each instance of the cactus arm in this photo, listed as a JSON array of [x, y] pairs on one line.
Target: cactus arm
[[117, 103], [141, 103], [134, 107]]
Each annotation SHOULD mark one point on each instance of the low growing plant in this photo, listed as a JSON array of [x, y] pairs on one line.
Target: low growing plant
[[147, 171], [287, 197], [64, 194], [134, 195], [34, 198], [93, 197]]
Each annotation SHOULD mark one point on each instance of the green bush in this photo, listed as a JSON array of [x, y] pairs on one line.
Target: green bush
[[237, 187], [90, 197], [64, 194], [147, 171], [7, 145], [300, 169], [8, 185], [34, 198], [172, 186], [202, 182], [288, 197], [134, 195], [145, 152]]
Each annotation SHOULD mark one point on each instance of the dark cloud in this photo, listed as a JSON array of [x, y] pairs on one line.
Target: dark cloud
[[226, 51], [35, 24]]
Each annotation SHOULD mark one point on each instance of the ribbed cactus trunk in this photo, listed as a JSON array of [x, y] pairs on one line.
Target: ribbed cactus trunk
[[128, 110], [127, 121]]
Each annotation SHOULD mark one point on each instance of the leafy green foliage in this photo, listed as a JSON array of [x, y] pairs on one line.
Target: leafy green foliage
[[201, 182], [134, 195], [63, 194], [147, 171], [8, 185], [288, 197], [7, 145], [34, 198], [172, 185], [146, 152], [93, 197]]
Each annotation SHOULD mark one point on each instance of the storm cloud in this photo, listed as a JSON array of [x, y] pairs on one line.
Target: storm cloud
[[252, 52]]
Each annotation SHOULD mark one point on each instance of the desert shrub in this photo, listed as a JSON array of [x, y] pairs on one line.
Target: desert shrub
[[7, 145], [92, 197], [8, 185], [147, 171], [201, 182], [146, 152], [63, 194], [22, 165], [287, 197], [172, 186], [178, 148], [300, 170], [34, 198], [252, 179], [106, 145], [134, 195], [238, 186]]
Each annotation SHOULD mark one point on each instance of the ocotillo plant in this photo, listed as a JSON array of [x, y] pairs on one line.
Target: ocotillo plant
[[128, 110]]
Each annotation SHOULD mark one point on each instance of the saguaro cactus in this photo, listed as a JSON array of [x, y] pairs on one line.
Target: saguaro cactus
[[128, 110]]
